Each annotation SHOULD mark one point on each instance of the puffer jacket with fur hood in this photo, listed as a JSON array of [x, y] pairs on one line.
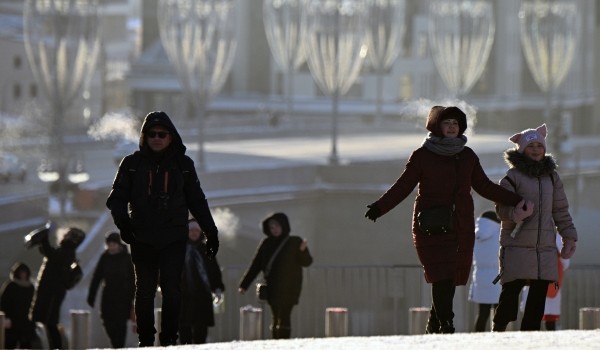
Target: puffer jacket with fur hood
[[531, 254]]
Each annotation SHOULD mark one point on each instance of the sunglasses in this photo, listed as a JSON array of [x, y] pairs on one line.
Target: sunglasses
[[160, 134]]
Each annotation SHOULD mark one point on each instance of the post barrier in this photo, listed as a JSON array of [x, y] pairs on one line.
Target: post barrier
[[589, 318], [336, 322], [80, 329], [417, 320], [250, 323]]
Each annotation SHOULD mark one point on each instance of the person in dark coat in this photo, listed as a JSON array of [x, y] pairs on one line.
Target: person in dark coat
[[15, 299], [53, 283], [116, 271], [445, 171], [284, 280], [200, 280], [154, 190]]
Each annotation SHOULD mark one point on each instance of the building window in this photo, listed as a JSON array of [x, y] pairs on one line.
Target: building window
[[17, 62], [33, 90]]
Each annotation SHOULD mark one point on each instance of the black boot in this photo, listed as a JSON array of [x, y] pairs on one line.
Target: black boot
[[284, 332], [433, 325], [446, 327], [497, 327], [166, 340]]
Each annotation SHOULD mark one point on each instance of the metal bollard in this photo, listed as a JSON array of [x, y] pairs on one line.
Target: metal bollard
[[417, 320], [80, 329], [157, 324], [250, 323], [336, 322], [589, 318], [2, 334]]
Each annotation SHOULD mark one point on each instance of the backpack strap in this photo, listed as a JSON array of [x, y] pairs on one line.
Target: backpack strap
[[513, 183]]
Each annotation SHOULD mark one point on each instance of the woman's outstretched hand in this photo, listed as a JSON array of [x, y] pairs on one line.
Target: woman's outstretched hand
[[373, 213]]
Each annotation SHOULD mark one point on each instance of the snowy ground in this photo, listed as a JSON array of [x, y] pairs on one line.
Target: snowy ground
[[567, 339]]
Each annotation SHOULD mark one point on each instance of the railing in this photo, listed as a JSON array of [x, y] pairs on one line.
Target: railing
[[378, 299]]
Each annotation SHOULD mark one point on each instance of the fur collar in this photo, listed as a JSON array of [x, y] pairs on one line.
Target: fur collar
[[528, 166]]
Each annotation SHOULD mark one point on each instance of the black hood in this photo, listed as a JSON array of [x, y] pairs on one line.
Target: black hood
[[17, 268], [161, 118], [528, 166], [282, 219]]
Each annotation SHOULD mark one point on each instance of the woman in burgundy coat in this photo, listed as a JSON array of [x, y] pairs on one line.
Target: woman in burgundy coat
[[445, 171]]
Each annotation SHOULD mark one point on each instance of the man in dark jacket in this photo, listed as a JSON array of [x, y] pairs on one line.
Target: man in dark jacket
[[152, 193], [284, 276], [116, 271]]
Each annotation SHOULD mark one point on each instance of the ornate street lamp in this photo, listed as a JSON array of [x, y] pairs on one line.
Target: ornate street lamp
[[384, 39], [550, 32], [199, 38], [461, 33], [285, 35], [62, 43], [336, 35]]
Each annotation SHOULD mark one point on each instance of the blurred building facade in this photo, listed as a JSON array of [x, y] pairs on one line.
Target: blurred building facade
[[134, 71], [506, 96]]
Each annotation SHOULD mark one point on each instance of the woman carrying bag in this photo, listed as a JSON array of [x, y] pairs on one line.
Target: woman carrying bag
[[280, 257]]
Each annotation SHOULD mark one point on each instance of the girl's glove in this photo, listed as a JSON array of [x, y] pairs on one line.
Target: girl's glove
[[522, 211]]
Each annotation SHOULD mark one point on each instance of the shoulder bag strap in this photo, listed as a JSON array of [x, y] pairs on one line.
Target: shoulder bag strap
[[270, 263]]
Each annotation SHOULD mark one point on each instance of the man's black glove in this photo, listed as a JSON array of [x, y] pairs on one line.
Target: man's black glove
[[212, 245], [373, 213], [126, 231]]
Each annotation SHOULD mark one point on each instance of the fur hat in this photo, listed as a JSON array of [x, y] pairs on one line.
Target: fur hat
[[528, 136], [441, 113]]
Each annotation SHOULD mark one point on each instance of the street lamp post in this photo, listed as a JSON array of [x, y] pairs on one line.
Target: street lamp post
[[199, 38], [286, 37], [550, 31], [62, 43], [336, 35], [461, 33], [384, 39]]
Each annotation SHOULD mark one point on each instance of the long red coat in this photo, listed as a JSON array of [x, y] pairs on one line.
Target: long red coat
[[445, 256]]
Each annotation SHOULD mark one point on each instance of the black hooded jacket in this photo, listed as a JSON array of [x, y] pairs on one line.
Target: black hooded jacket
[[118, 289], [285, 278], [152, 193], [15, 300]]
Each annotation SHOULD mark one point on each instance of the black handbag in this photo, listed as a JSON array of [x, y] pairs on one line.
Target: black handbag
[[262, 291], [438, 220], [435, 221]]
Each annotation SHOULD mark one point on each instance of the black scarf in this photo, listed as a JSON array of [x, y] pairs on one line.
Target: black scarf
[[445, 146]]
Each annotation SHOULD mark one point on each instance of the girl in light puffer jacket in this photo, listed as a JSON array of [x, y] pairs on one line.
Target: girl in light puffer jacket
[[528, 249]]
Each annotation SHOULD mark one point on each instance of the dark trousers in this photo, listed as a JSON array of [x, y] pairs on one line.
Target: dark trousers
[[116, 329], [158, 267], [483, 316], [46, 310], [442, 295], [508, 305], [281, 324]]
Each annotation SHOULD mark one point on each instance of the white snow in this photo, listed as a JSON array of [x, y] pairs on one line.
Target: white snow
[[563, 340]]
